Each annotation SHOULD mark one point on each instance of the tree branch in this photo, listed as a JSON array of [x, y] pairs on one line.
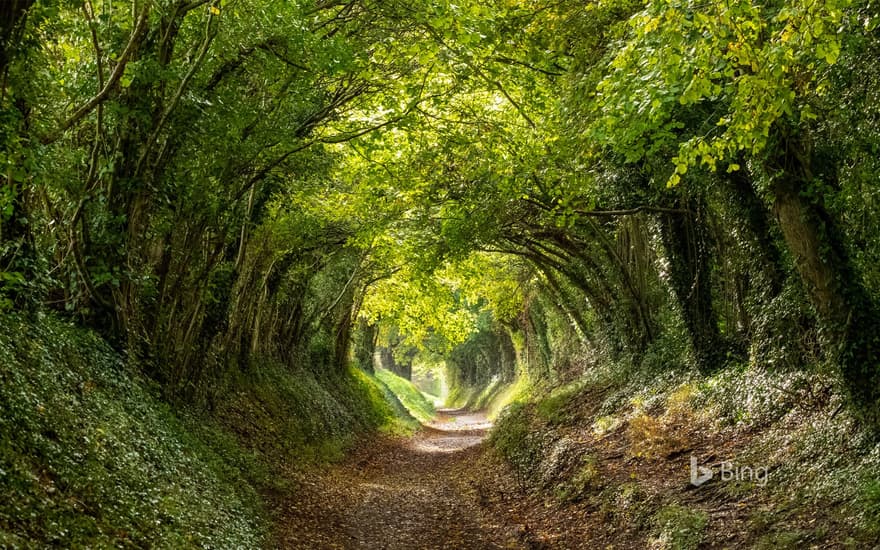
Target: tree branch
[[117, 73], [510, 61], [206, 44], [482, 75], [632, 211]]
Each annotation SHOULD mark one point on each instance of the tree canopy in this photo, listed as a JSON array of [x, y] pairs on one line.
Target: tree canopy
[[209, 181]]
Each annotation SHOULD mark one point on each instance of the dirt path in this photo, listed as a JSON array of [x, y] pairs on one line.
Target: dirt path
[[400, 494]]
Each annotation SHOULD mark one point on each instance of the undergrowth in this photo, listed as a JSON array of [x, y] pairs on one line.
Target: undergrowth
[[409, 395], [822, 487], [678, 528], [90, 456]]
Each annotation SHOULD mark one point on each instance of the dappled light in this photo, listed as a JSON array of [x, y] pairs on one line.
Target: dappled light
[[452, 430]]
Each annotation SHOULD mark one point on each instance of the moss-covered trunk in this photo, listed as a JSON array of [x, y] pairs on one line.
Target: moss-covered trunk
[[687, 246], [848, 315]]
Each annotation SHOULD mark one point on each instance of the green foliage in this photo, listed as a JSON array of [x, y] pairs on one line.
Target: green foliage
[[554, 408], [413, 399], [459, 396], [419, 307], [480, 367], [498, 401], [518, 440], [786, 540], [789, 422], [582, 483], [307, 418], [679, 528], [756, 65], [869, 499], [749, 396], [91, 458], [488, 395], [225, 190]]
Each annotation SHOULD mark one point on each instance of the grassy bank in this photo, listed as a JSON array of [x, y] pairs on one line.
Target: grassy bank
[[90, 456], [493, 397], [614, 452], [415, 402]]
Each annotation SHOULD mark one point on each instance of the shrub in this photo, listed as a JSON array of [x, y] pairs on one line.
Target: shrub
[[678, 528], [519, 441], [652, 437]]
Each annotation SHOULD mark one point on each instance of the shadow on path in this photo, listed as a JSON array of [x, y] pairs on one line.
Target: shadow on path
[[399, 493]]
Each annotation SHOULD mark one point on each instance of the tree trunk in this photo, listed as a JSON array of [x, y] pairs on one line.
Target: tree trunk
[[13, 227], [365, 346], [686, 241], [848, 316], [343, 341], [756, 220], [12, 14], [388, 362]]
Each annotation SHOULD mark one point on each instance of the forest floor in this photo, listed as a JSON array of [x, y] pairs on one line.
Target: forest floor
[[400, 493], [445, 488], [441, 488]]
